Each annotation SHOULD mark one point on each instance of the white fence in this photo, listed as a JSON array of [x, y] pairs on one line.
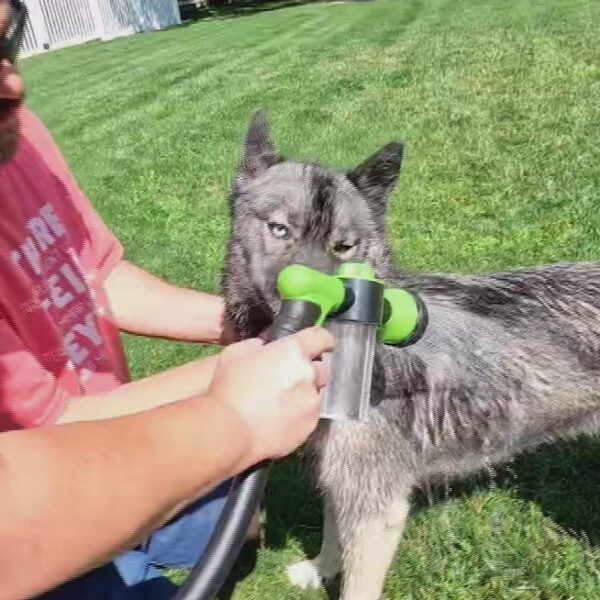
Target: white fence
[[57, 23]]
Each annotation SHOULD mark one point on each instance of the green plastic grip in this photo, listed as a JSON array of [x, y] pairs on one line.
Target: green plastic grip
[[403, 317], [298, 282]]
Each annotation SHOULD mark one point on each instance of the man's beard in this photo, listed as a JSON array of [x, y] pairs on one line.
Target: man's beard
[[9, 130]]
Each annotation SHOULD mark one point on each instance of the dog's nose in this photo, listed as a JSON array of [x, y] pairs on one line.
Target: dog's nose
[[320, 261]]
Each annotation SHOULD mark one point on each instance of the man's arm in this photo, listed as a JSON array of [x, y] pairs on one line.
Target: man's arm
[[179, 383], [73, 496], [147, 305], [29, 395]]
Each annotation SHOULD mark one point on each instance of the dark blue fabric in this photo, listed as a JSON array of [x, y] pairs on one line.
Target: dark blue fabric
[[106, 583], [134, 575]]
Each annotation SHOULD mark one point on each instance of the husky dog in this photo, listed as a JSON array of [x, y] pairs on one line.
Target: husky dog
[[508, 361]]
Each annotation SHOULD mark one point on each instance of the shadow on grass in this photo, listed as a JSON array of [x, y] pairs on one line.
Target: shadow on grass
[[244, 8], [563, 478], [244, 565]]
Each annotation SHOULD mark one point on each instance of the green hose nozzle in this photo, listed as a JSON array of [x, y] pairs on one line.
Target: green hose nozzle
[[360, 312], [400, 315]]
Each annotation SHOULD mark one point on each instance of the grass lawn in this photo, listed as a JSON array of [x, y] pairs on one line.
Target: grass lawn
[[497, 102]]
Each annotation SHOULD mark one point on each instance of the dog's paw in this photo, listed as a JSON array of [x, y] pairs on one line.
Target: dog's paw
[[305, 575]]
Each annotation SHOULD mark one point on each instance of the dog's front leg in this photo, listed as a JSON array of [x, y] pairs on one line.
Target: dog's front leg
[[369, 550], [311, 573]]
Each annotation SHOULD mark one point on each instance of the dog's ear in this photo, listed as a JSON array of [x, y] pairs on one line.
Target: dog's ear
[[376, 178], [258, 151]]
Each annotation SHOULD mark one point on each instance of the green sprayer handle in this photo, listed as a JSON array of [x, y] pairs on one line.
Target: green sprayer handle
[[298, 282], [403, 319]]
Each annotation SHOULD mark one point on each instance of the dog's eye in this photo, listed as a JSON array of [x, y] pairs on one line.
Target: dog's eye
[[342, 248], [278, 230]]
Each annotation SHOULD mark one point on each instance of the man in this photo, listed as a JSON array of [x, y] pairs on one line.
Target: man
[[65, 291]]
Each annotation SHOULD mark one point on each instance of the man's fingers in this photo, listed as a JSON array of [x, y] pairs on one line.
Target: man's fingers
[[314, 341], [303, 394], [321, 374]]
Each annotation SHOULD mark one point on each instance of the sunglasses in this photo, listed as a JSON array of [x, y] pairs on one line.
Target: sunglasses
[[10, 44]]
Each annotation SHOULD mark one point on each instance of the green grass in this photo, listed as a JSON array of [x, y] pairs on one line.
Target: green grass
[[497, 102]]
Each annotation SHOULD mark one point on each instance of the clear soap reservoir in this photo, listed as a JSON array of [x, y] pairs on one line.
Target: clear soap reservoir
[[348, 391]]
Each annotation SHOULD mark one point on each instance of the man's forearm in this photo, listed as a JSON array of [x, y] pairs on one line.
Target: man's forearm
[[179, 383], [147, 305], [75, 495]]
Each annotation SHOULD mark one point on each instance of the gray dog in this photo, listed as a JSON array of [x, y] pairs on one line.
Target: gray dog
[[507, 362]]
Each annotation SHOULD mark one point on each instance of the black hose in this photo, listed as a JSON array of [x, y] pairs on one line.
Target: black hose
[[210, 572]]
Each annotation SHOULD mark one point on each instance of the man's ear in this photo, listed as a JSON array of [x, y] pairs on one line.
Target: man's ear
[[258, 151], [376, 178]]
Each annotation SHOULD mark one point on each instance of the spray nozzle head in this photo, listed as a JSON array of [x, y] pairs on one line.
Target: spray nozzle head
[[361, 311], [355, 294]]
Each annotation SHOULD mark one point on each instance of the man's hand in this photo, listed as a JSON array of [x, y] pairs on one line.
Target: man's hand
[[274, 388]]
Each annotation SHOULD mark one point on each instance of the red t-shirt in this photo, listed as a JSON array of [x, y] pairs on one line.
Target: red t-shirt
[[57, 337]]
